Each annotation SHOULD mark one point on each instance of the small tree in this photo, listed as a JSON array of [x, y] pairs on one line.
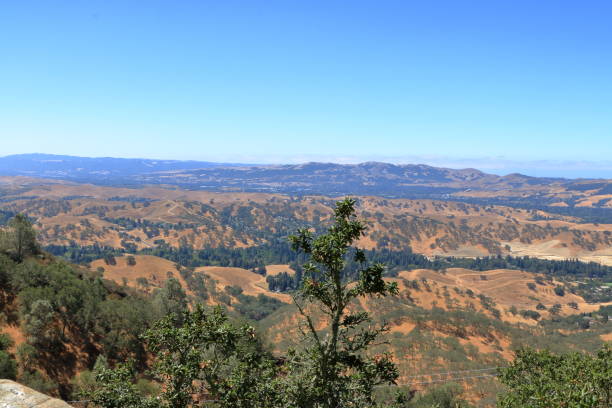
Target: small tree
[[555, 309], [20, 239], [38, 323], [171, 299], [334, 369]]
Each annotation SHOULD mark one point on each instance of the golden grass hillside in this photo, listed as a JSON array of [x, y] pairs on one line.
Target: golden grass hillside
[[144, 217]]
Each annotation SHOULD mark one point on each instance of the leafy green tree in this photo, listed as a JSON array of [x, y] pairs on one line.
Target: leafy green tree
[[85, 382], [6, 268], [209, 355], [541, 379], [204, 358], [20, 240], [26, 356], [335, 370], [171, 299], [117, 390], [120, 324], [38, 323]]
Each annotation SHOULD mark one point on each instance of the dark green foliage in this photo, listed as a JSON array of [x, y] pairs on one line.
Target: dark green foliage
[[257, 307], [559, 291], [445, 396], [233, 290], [6, 267], [8, 366], [120, 322], [109, 259], [205, 357], [540, 379], [171, 299], [568, 267], [116, 390], [530, 314], [34, 379], [595, 290], [6, 342], [85, 382], [555, 309], [84, 254]]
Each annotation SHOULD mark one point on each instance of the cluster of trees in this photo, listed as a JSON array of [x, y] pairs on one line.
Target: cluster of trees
[[279, 252], [56, 304], [568, 267], [83, 254], [587, 214]]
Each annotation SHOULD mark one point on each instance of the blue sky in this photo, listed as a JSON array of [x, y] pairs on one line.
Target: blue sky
[[499, 85]]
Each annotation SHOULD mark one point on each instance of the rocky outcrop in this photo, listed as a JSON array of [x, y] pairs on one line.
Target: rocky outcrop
[[14, 395]]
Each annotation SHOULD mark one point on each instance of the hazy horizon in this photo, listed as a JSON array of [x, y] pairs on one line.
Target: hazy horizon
[[498, 166]]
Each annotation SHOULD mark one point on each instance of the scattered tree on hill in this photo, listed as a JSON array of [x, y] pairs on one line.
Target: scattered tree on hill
[[19, 240], [559, 291], [171, 299], [109, 259], [555, 309]]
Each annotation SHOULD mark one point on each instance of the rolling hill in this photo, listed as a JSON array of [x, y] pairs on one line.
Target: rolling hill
[[131, 219]]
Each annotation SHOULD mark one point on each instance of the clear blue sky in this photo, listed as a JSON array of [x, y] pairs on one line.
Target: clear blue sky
[[276, 81]]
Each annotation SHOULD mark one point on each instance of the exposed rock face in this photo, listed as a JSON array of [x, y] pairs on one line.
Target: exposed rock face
[[14, 395]]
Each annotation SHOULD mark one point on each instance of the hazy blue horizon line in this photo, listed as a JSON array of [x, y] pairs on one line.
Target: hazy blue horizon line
[[501, 166]]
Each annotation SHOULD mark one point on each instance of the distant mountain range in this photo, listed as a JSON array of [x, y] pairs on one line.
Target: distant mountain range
[[73, 167], [371, 178]]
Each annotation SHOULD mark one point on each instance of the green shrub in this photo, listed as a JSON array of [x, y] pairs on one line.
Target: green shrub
[[8, 366], [37, 381], [6, 342], [541, 379]]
